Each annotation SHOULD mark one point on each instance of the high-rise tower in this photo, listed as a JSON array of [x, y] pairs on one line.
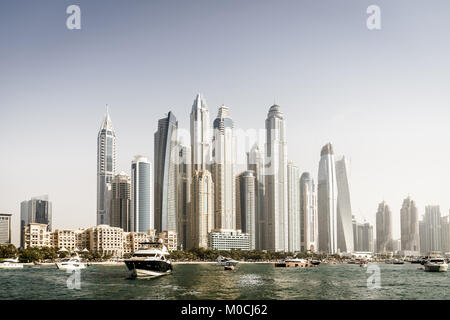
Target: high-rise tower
[[200, 135], [276, 181], [308, 214], [120, 202], [384, 228], [327, 201], [142, 218], [223, 169], [106, 167], [344, 208], [293, 208], [166, 157], [409, 224]]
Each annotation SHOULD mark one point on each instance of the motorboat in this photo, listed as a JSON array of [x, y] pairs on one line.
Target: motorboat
[[73, 263], [436, 263], [229, 266], [291, 262], [150, 262], [398, 261], [222, 261], [315, 262], [10, 264]]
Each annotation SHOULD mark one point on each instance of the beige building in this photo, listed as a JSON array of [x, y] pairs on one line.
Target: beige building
[[202, 207], [132, 241], [169, 239], [36, 235]]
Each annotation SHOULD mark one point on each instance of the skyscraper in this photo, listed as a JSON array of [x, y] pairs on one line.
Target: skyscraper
[[166, 157], [276, 181], [409, 224], [344, 208], [106, 167], [255, 163], [5, 228], [445, 234], [327, 201], [120, 202], [246, 205], [200, 135], [36, 210], [184, 197], [293, 177], [432, 230], [142, 218], [384, 228], [223, 170], [203, 207], [309, 230]]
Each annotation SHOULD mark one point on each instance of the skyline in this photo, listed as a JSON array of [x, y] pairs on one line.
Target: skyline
[[394, 141]]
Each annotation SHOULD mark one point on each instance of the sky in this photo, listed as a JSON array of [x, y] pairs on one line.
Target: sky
[[380, 96]]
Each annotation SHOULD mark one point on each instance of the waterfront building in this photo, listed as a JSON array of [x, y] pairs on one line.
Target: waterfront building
[[36, 210], [384, 228], [255, 163], [344, 208], [309, 240], [223, 170], [170, 239], [141, 202], [106, 240], [362, 236], [202, 208], [184, 197], [276, 183], [36, 235], [5, 228], [132, 241], [293, 178], [120, 202], [106, 167], [409, 224], [229, 240], [327, 201], [246, 205], [432, 229], [166, 157]]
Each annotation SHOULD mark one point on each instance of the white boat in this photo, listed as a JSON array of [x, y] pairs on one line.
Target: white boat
[[150, 262], [222, 261], [10, 264], [73, 263], [436, 263]]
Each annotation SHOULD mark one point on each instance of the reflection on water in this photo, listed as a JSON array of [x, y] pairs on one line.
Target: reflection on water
[[247, 281]]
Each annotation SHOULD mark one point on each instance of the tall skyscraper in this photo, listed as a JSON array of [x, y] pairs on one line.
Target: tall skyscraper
[[184, 197], [166, 158], [362, 236], [142, 218], [223, 170], [327, 201], [309, 230], [246, 205], [120, 202], [200, 135], [293, 178], [5, 228], [433, 236], [409, 224], [445, 234], [106, 167], [36, 210], [384, 228], [344, 208], [276, 181], [255, 163], [203, 207]]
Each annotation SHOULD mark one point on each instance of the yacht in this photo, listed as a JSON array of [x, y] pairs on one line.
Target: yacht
[[222, 261], [73, 263], [436, 263], [10, 264], [150, 262]]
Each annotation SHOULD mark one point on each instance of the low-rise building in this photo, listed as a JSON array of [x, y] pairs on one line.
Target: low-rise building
[[169, 239], [5, 228], [221, 240], [36, 235]]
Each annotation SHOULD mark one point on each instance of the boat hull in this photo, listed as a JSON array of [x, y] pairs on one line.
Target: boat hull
[[436, 267], [61, 266], [148, 269]]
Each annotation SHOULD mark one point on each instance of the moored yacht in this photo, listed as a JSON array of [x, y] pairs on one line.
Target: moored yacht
[[149, 262], [222, 261], [73, 263], [10, 264]]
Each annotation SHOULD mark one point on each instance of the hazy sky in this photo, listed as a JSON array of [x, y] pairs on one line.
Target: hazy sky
[[381, 97]]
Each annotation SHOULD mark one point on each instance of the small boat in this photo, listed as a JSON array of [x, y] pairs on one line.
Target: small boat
[[222, 261], [315, 262], [229, 266], [10, 264], [416, 261], [150, 262], [436, 264], [397, 261], [296, 263], [73, 263]]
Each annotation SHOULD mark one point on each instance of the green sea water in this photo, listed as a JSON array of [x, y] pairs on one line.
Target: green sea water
[[247, 281]]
